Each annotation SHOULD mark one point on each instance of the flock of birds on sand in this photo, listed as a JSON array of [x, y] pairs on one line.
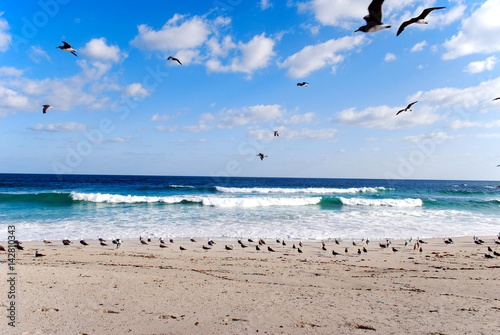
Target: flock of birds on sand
[[261, 245]]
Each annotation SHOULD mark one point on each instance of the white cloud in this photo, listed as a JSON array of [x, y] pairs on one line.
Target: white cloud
[[123, 139], [251, 56], [476, 98], [479, 33], [67, 127], [390, 57], [178, 33], [290, 134], [166, 128], [253, 114], [497, 135], [341, 13], [419, 46], [198, 128], [158, 117], [9, 71], [37, 54], [459, 124], [11, 100], [486, 65], [299, 119], [265, 4], [435, 137], [384, 117], [99, 50], [136, 90], [314, 57], [5, 37]]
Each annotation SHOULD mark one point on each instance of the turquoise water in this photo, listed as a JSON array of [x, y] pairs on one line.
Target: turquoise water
[[77, 206]]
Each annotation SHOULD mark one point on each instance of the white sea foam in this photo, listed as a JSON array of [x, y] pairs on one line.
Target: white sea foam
[[382, 202], [259, 202], [213, 201], [308, 190]]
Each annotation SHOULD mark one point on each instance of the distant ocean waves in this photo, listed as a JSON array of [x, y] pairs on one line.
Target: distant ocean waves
[[240, 201]]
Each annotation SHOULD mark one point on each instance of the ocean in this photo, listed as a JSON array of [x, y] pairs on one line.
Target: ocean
[[88, 206]]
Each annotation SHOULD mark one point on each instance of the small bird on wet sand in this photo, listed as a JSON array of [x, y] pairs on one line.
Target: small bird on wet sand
[[364, 249], [192, 240], [162, 245], [300, 244], [488, 256], [270, 249], [103, 240], [2, 248], [67, 47], [118, 243], [489, 249], [162, 241], [293, 246], [303, 84], [421, 241], [262, 156], [323, 247], [497, 241], [83, 242], [19, 246], [243, 245], [37, 254], [103, 244], [227, 247], [359, 251], [448, 240], [142, 240], [337, 241], [374, 18], [334, 253], [171, 240], [299, 250], [206, 248], [419, 19], [66, 241], [182, 248], [353, 243], [45, 107], [394, 249], [346, 250], [46, 241], [174, 59], [262, 242], [496, 253], [257, 248], [407, 108]]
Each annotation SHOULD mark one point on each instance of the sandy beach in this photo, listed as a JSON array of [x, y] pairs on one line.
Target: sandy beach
[[145, 289]]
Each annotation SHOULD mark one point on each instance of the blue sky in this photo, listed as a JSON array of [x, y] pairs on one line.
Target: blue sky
[[121, 107]]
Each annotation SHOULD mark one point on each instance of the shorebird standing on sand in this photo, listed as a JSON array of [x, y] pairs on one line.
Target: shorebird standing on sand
[[374, 18], [37, 254], [67, 47], [419, 19]]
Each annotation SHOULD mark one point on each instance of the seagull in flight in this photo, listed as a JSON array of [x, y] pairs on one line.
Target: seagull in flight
[[174, 59], [407, 108], [45, 107], [67, 47], [276, 133], [374, 18], [303, 84], [419, 19], [261, 155], [496, 99]]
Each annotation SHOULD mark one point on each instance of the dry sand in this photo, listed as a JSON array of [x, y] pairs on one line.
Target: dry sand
[[145, 289]]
